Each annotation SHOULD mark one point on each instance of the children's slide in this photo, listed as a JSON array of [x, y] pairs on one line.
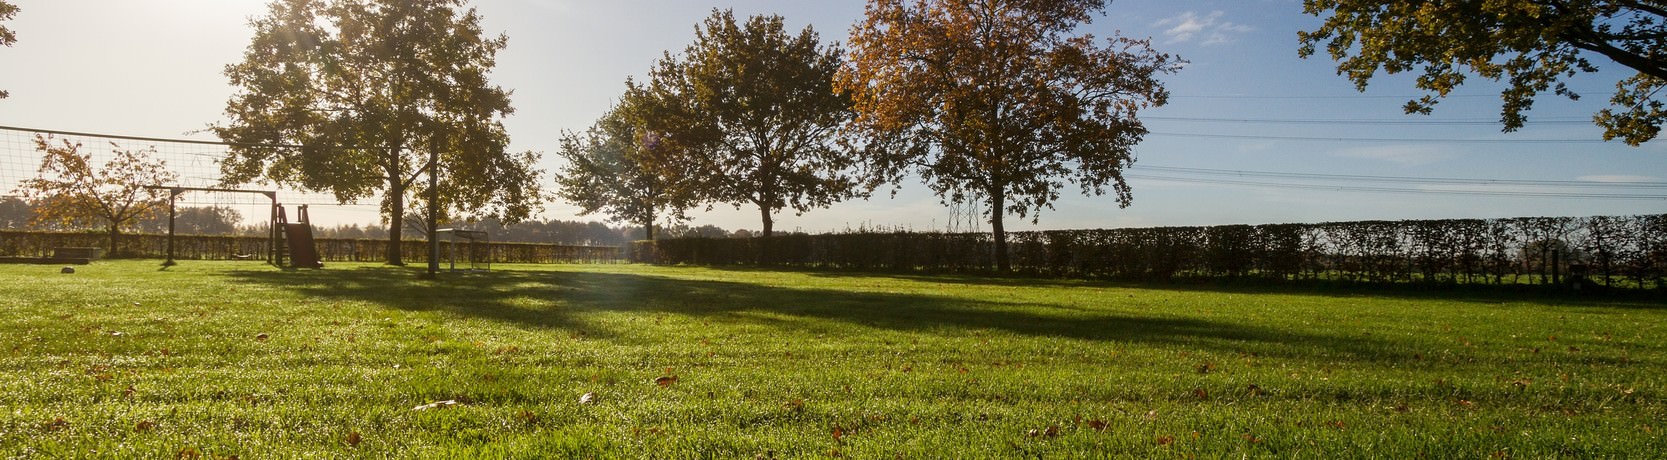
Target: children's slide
[[302, 252]]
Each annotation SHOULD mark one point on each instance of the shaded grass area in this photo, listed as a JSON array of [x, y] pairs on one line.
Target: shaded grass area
[[213, 359]]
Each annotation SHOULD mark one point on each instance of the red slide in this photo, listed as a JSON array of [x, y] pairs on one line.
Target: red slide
[[302, 252]]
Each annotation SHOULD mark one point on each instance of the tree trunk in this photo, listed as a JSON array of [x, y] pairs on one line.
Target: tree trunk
[[396, 220], [115, 234], [998, 201], [765, 253], [647, 225]]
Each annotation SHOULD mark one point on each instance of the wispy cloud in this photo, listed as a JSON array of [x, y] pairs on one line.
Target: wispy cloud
[[1618, 178], [1404, 155], [1206, 30]]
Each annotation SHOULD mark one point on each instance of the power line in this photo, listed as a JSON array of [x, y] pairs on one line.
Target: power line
[[1322, 97], [1380, 121], [1406, 179], [179, 141], [1379, 139], [1351, 188]]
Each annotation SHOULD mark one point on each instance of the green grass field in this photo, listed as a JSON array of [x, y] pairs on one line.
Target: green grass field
[[222, 359]]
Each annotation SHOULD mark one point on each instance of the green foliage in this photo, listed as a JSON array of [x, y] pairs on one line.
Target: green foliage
[[748, 114], [998, 102], [69, 192], [619, 169], [356, 97], [212, 360], [7, 37], [1533, 45]]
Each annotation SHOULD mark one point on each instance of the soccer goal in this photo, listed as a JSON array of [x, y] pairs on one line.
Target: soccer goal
[[474, 247]]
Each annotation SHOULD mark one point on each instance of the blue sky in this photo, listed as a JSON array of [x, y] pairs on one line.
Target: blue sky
[[1245, 102]]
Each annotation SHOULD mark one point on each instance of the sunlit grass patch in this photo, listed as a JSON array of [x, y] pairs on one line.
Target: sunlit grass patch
[[217, 359]]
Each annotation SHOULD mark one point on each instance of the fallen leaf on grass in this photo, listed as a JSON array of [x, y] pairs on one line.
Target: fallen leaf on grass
[[1097, 425], [1050, 431], [1166, 440], [438, 405], [665, 381], [353, 439], [587, 398], [261, 337], [55, 425], [144, 425]]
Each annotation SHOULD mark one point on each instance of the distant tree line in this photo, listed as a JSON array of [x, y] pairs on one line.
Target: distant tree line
[[1609, 251], [17, 213]]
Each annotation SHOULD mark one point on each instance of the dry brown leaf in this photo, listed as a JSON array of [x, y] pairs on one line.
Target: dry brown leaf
[[1166, 440], [262, 337], [144, 425], [353, 439], [665, 381]]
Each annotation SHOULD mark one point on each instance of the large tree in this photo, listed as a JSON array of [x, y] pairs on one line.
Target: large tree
[[999, 102], [360, 97], [749, 111], [616, 168], [7, 37], [69, 190], [1534, 46]]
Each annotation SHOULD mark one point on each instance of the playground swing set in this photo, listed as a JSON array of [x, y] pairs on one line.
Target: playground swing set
[[289, 240], [293, 241]]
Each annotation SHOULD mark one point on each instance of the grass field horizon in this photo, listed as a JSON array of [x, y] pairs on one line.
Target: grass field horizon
[[222, 359]]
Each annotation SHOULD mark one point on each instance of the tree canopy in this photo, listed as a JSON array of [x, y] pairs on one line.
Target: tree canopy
[[750, 113], [1534, 46], [998, 102], [70, 191], [7, 37], [359, 97], [612, 168]]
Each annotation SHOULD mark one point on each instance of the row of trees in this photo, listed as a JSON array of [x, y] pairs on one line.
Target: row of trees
[[1000, 104], [17, 213], [996, 103]]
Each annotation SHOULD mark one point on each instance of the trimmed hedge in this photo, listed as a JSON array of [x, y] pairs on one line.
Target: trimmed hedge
[[1612, 251], [201, 247]]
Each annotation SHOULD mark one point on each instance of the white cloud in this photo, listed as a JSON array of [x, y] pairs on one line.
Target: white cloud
[[1206, 30], [1404, 155]]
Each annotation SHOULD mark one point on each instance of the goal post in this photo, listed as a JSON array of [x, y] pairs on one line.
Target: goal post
[[476, 243]]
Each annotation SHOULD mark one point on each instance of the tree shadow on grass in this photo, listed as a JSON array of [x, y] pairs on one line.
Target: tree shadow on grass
[[1478, 293], [562, 300]]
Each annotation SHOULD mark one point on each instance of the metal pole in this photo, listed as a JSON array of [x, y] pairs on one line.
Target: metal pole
[[173, 194]]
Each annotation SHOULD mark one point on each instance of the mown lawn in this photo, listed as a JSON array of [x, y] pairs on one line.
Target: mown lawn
[[222, 359]]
